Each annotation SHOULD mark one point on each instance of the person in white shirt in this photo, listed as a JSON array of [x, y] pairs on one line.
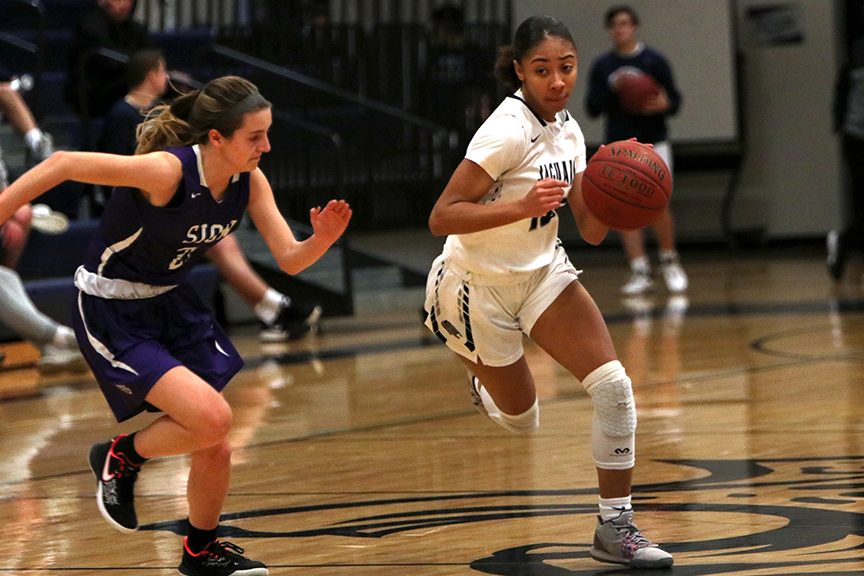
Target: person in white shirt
[[503, 273]]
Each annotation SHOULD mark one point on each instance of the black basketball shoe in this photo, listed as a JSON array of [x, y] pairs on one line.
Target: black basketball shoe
[[115, 485], [219, 559], [295, 320]]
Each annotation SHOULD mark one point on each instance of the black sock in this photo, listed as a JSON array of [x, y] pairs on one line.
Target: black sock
[[126, 446], [197, 539]]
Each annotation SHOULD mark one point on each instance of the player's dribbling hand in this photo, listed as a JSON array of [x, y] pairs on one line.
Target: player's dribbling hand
[[330, 222], [546, 194]]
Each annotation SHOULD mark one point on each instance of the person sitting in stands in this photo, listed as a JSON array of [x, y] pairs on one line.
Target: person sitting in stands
[[56, 342]]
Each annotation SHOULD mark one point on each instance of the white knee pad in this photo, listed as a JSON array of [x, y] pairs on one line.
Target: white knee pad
[[613, 434], [524, 423]]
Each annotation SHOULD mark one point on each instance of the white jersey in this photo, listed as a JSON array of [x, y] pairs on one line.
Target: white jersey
[[517, 148]]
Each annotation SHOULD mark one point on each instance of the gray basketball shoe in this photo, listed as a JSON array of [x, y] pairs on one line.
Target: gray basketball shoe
[[619, 541]]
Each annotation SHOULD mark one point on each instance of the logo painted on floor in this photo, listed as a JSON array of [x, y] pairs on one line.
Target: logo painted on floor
[[765, 514]]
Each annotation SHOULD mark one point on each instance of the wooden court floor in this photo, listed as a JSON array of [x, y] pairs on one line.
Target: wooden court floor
[[358, 451]]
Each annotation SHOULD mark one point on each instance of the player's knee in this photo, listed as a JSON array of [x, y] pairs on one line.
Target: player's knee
[[612, 396], [8, 279], [213, 428], [614, 426], [524, 423]]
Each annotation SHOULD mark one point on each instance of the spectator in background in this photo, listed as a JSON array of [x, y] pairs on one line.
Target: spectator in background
[[15, 110], [281, 317], [56, 343], [146, 81], [95, 83], [459, 79], [648, 126], [849, 124]]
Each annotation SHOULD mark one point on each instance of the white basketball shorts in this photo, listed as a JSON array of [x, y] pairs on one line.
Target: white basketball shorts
[[483, 322]]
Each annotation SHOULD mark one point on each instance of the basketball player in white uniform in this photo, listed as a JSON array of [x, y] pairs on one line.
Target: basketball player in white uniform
[[503, 273]]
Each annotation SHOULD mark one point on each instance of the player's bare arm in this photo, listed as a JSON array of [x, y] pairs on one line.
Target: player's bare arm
[[590, 228], [328, 224], [458, 210], [156, 174]]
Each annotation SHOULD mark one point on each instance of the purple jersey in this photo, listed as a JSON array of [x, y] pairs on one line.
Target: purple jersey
[[154, 245], [136, 318]]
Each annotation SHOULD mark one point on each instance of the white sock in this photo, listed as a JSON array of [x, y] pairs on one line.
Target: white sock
[[64, 338], [613, 507], [640, 265], [488, 402], [269, 306], [668, 255], [33, 137]]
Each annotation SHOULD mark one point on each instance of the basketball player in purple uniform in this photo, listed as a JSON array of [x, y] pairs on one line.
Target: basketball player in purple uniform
[[151, 343]]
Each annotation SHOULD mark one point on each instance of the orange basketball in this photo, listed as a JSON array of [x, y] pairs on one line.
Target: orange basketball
[[634, 88], [626, 185]]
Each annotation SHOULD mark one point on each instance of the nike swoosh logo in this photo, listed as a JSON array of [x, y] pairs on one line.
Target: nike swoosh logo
[[106, 477], [534, 139], [196, 194]]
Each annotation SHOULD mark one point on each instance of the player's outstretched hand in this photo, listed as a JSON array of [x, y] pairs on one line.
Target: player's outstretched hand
[[330, 222]]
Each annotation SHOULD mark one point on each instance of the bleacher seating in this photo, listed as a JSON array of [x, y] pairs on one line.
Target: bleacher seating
[[35, 37], [341, 126]]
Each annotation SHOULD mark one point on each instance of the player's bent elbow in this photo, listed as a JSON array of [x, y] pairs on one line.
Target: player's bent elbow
[[291, 268], [437, 225], [595, 240], [592, 230], [60, 160], [289, 263], [594, 235]]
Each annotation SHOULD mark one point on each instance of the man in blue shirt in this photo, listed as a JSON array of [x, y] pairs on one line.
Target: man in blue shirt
[[647, 125]]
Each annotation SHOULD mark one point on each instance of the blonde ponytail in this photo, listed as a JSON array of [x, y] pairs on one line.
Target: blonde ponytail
[[219, 105]]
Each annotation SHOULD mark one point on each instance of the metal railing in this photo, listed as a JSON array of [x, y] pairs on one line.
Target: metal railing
[[166, 15], [382, 144]]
